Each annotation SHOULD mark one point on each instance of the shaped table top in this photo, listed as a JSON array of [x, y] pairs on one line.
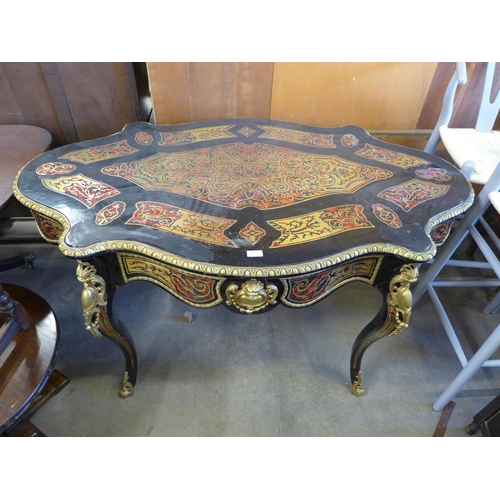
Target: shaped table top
[[229, 195]]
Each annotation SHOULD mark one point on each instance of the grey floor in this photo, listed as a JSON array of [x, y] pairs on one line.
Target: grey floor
[[282, 373]]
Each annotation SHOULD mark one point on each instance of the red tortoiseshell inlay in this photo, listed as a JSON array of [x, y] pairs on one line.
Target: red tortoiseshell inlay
[[441, 232], [181, 222], [85, 190], [298, 137], [99, 153], [192, 288], [395, 158], [110, 213], [195, 135], [312, 287], [386, 215], [143, 138], [54, 168], [50, 228], [248, 175], [252, 232], [320, 224], [434, 174], [412, 193]]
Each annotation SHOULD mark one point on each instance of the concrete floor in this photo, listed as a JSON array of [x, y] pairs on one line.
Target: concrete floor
[[282, 373]]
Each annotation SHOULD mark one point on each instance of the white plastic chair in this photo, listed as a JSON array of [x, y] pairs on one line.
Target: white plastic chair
[[477, 152]]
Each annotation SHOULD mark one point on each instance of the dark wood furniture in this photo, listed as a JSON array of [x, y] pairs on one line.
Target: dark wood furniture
[[246, 213], [487, 420], [18, 145], [27, 358]]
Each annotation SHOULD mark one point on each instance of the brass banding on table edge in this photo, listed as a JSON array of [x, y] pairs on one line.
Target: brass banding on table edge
[[221, 270]]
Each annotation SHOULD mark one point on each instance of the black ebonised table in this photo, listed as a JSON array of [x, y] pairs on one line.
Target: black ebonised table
[[246, 213]]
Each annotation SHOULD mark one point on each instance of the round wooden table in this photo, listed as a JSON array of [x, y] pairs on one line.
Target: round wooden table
[[27, 375]]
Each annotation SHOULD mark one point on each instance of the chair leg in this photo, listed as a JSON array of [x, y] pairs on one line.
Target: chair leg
[[17, 261], [457, 236], [476, 362]]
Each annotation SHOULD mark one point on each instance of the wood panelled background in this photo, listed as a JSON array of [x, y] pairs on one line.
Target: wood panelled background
[[376, 96], [73, 101], [80, 101], [185, 92]]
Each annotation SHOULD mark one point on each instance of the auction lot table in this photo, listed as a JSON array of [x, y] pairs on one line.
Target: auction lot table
[[246, 213]]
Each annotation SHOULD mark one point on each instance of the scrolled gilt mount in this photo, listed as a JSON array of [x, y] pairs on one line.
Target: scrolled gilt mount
[[252, 296], [400, 299], [93, 296]]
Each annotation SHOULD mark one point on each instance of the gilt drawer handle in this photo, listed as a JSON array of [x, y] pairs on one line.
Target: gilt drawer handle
[[252, 296]]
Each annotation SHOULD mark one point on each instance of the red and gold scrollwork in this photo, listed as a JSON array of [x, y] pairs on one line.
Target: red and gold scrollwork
[[110, 213], [143, 138], [395, 158], [310, 288], [195, 135], [55, 168], [435, 174], [410, 194], [194, 289], [99, 153], [386, 215], [49, 228], [85, 190], [298, 137], [320, 224], [181, 222], [252, 233], [248, 175]]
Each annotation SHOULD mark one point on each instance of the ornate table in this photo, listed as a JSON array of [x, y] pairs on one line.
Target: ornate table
[[246, 213]]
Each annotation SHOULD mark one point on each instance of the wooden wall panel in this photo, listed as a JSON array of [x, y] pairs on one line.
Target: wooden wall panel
[[73, 101], [376, 96], [185, 92], [101, 97], [25, 98]]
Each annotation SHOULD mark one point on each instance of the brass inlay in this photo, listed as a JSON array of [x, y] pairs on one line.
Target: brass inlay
[[222, 270], [310, 288], [195, 135], [298, 137], [182, 222], [196, 290], [93, 296], [399, 298], [318, 225], [240, 175], [252, 296], [99, 153], [401, 160], [357, 386]]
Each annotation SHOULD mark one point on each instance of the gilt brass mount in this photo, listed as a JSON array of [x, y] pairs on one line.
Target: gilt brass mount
[[127, 388], [357, 386], [252, 296], [93, 296], [399, 298]]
